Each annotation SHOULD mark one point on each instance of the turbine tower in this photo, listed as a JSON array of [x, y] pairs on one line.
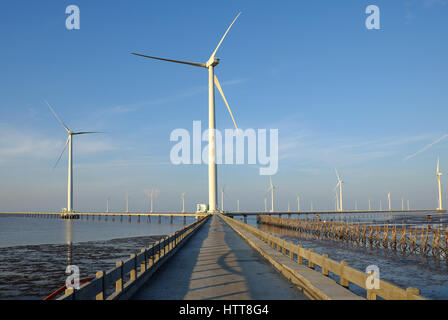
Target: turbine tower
[[183, 202], [271, 188], [438, 174], [340, 182], [69, 142], [298, 203], [213, 80], [222, 199], [388, 199]]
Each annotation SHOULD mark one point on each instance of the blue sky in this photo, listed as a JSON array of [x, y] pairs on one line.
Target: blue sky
[[341, 96]]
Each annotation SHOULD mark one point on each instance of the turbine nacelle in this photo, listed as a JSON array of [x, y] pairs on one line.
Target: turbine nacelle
[[212, 62]]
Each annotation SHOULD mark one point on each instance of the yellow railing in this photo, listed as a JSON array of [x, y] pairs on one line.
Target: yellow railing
[[345, 273]]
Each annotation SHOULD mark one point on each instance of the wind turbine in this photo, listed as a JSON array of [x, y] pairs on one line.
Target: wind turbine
[[271, 188], [298, 203], [213, 80], [388, 199], [69, 142], [340, 182], [222, 199], [337, 196], [183, 202], [438, 174]]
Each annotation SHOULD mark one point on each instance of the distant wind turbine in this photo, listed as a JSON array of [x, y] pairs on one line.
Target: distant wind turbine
[[183, 202], [388, 198], [69, 142], [271, 188], [213, 80], [438, 175], [340, 182]]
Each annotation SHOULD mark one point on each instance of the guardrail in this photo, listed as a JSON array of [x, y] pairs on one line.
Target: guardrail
[[127, 276], [424, 241], [341, 269]]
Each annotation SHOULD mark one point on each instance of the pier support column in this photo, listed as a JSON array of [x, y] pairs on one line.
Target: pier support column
[[160, 219], [171, 219], [184, 220], [245, 218]]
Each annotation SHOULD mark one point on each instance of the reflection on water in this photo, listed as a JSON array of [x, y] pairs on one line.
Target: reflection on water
[[68, 233], [19, 230]]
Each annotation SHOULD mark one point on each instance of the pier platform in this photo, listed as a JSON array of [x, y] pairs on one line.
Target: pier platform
[[217, 264]]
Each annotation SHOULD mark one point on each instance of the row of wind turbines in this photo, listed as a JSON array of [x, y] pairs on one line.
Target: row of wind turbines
[[338, 198]]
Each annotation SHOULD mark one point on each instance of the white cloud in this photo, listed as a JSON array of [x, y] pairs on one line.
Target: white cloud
[[427, 147], [16, 144]]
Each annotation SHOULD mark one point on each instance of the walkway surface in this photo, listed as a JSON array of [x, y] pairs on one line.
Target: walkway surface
[[216, 263]]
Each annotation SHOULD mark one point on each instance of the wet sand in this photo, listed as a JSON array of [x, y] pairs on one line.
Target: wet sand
[[35, 271]]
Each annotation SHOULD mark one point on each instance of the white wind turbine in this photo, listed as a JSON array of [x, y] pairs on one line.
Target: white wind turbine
[[271, 188], [388, 199], [69, 142], [213, 80], [340, 182], [337, 196], [438, 174]]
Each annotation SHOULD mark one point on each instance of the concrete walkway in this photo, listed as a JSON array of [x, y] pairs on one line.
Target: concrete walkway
[[216, 263]]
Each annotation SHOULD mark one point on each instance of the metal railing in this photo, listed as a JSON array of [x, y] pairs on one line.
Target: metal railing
[[114, 283], [341, 269]]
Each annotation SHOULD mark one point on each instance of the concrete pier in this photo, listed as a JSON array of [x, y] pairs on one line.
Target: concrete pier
[[217, 264]]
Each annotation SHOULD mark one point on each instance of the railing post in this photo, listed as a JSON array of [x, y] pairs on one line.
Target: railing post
[[143, 265], [342, 280], [157, 252], [119, 282], [324, 264], [151, 256], [410, 292], [299, 257], [371, 295], [133, 273], [100, 277], [310, 263], [70, 291]]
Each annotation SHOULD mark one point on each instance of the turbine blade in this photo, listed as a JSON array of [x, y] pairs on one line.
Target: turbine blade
[[86, 132], [225, 100], [63, 150], [222, 39], [170, 60], [57, 117], [337, 174]]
